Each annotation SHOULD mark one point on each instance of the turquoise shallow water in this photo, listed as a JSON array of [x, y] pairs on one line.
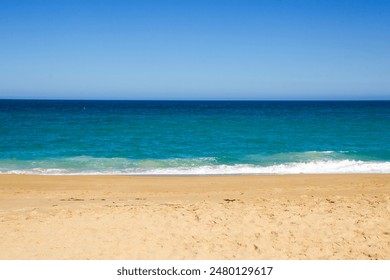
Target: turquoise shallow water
[[194, 137]]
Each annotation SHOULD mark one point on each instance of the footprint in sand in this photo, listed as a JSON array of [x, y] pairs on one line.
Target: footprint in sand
[[72, 199], [228, 200]]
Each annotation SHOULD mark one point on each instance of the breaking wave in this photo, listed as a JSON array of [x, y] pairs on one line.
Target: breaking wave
[[326, 162]]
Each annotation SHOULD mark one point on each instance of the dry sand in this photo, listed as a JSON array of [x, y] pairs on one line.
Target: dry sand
[[220, 217]]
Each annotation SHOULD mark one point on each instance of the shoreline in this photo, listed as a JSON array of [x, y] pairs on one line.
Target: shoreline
[[300, 216], [193, 175]]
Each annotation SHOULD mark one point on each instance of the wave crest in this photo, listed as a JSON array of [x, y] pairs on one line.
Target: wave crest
[[199, 166]]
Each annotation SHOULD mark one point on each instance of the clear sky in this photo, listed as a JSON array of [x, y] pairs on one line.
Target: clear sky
[[264, 49]]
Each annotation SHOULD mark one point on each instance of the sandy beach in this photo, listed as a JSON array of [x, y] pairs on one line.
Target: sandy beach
[[210, 217]]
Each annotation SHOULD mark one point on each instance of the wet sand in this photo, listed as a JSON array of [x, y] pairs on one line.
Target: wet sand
[[204, 217]]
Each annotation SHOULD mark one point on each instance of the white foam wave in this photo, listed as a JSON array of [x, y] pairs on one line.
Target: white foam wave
[[291, 157], [312, 167]]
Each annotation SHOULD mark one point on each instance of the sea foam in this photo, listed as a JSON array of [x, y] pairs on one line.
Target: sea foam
[[311, 167]]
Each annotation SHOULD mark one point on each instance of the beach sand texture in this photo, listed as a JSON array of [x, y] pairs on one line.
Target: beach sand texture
[[205, 217]]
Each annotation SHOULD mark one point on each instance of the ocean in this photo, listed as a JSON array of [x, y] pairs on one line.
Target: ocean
[[194, 137]]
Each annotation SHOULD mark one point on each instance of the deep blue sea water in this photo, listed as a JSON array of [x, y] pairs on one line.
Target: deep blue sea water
[[194, 137]]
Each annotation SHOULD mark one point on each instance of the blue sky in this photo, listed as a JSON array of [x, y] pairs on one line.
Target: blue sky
[[195, 49]]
